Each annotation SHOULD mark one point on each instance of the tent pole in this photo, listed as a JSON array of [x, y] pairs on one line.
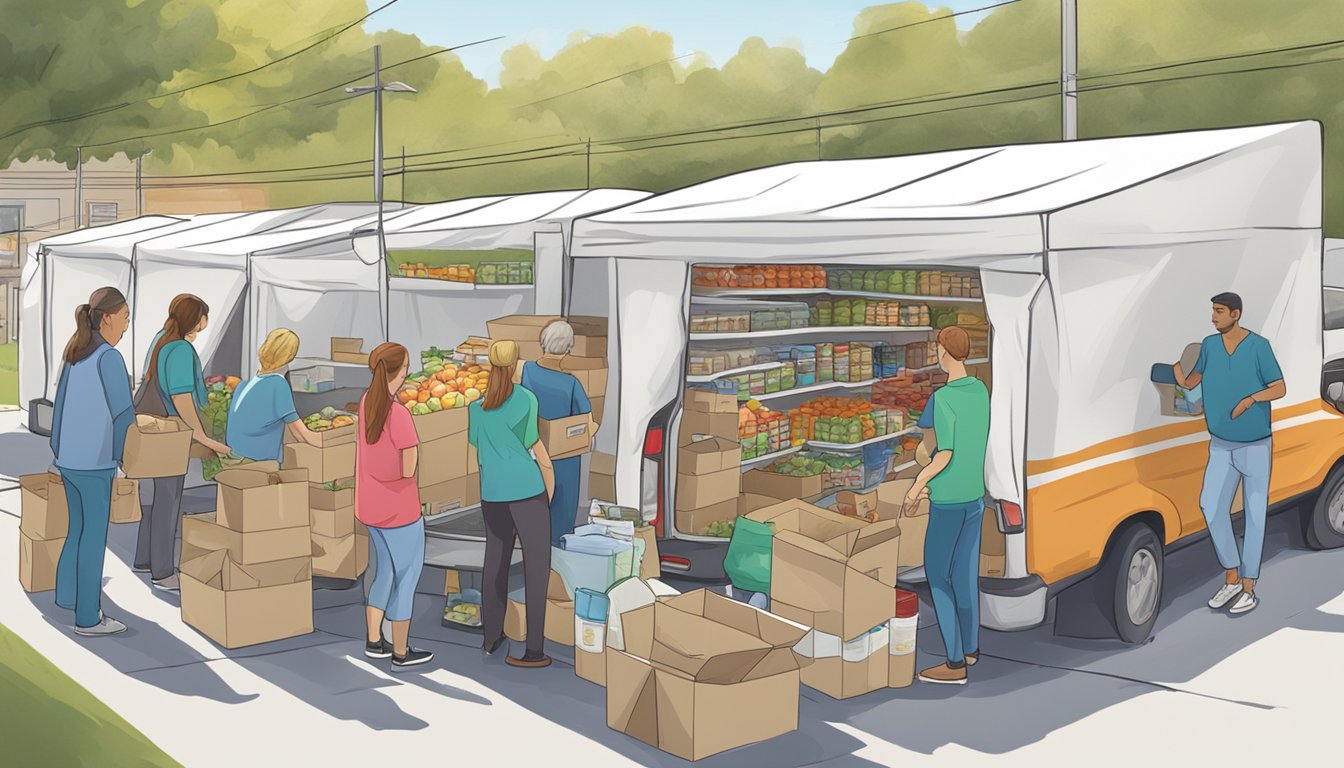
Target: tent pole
[[384, 288], [79, 184], [1068, 75]]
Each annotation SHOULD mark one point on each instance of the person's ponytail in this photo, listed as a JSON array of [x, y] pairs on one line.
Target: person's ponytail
[[88, 322], [74, 349], [184, 316], [383, 361]]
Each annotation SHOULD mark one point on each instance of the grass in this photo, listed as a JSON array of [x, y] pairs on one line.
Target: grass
[[52, 720], [9, 373]]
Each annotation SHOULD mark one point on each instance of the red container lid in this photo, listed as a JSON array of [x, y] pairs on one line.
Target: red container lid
[[907, 604]]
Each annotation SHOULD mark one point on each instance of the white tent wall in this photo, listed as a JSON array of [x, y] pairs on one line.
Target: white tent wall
[[33, 369], [219, 282], [425, 313], [1116, 311]]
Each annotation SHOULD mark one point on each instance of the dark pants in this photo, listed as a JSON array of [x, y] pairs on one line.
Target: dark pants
[[79, 574], [530, 520], [157, 538], [952, 567]]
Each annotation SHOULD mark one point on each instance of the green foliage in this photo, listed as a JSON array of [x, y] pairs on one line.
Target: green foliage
[[68, 57]]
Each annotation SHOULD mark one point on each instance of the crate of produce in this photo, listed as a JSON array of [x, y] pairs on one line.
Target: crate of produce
[[888, 360], [713, 277], [799, 277], [843, 472], [704, 363]]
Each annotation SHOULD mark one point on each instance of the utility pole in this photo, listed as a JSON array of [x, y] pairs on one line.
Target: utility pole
[[139, 188], [79, 184], [588, 164], [1068, 76], [818, 138], [403, 174]]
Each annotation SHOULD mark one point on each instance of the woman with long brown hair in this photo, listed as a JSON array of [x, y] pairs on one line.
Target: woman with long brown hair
[[387, 502], [517, 483], [174, 387], [91, 415]]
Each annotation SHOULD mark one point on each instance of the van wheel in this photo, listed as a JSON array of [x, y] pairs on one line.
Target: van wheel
[[1131, 577], [1325, 526]]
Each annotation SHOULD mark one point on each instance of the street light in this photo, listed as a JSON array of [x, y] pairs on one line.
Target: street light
[[377, 89]]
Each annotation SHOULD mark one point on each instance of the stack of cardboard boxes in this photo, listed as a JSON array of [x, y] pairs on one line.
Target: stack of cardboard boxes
[[448, 473], [559, 626], [587, 361], [836, 575], [246, 571], [709, 461], [44, 522], [340, 545]]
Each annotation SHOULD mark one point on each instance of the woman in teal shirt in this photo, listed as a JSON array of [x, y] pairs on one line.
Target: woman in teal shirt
[[517, 482], [174, 386]]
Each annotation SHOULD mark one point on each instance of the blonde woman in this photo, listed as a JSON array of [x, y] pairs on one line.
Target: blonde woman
[[263, 407]]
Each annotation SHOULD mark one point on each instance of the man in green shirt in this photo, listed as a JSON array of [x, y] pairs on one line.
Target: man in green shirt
[[955, 483]]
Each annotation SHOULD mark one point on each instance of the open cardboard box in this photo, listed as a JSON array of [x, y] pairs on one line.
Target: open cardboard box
[[156, 447], [238, 606], [248, 501]]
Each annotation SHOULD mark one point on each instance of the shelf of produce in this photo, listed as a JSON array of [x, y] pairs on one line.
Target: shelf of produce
[[927, 368], [902, 467], [740, 293], [829, 330], [849, 447], [816, 388], [760, 460], [732, 372], [452, 285]]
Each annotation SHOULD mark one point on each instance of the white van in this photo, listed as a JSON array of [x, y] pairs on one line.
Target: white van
[[1097, 260]]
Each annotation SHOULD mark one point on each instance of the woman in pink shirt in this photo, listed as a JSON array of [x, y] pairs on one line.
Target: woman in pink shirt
[[387, 502]]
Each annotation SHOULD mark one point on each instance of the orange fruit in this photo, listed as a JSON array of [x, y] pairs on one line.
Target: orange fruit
[[439, 390]]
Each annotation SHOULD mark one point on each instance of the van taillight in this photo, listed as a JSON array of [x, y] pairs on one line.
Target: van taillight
[[1011, 517], [653, 443], [675, 563]]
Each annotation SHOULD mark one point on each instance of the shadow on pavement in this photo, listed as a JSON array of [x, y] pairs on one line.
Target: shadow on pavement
[[23, 453]]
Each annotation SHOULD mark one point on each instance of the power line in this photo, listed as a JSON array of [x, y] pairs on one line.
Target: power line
[[215, 81], [1178, 78], [929, 21], [1215, 59]]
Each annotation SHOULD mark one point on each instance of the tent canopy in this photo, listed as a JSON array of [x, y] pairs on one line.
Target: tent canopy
[[499, 222], [974, 205]]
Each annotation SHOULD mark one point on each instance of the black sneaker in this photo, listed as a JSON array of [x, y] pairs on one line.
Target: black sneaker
[[379, 650], [490, 648], [413, 658]]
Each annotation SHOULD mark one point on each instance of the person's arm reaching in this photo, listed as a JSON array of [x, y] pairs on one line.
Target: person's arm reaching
[[1194, 377], [186, 410], [944, 425]]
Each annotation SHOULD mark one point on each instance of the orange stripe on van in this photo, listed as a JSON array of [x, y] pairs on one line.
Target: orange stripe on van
[[1151, 436]]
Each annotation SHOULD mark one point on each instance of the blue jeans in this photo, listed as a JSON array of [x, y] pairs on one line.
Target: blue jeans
[[79, 572], [565, 502], [1230, 463], [399, 556], [952, 566]]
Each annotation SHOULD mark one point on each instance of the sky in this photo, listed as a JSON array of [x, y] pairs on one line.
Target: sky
[[818, 28]]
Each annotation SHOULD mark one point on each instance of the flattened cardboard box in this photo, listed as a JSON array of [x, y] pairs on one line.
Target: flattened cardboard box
[[698, 491], [841, 568], [202, 535], [249, 501], [685, 680], [37, 563], [344, 557], [442, 460], [44, 512], [323, 464], [156, 448]]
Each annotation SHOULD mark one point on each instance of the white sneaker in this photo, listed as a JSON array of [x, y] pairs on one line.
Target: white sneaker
[[169, 584], [1225, 595], [105, 626], [1245, 603]]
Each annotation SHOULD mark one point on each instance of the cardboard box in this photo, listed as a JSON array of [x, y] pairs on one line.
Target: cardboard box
[[708, 401], [599, 405], [993, 566], [456, 494], [215, 569], [520, 328], [695, 521], [992, 540], [261, 501], [44, 512], [891, 497], [125, 501], [714, 454], [330, 437], [452, 583], [838, 669], [347, 345], [593, 380], [841, 568], [559, 626], [694, 423], [698, 491], [750, 502], [338, 494], [323, 464], [37, 563], [589, 325], [602, 477], [243, 617], [156, 448], [567, 437], [342, 557], [589, 346], [913, 531], [591, 666], [442, 460], [333, 523], [441, 424], [693, 665], [651, 566], [782, 487], [853, 504], [201, 534]]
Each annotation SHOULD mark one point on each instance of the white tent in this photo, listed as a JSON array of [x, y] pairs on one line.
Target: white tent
[[59, 275], [1097, 258], [214, 262]]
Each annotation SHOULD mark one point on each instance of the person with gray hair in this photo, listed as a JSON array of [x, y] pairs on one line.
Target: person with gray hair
[[559, 396]]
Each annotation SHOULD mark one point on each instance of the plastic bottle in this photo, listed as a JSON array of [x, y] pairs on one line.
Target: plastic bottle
[[590, 620], [901, 642]]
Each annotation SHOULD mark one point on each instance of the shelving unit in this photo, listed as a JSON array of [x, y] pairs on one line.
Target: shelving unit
[[747, 293], [819, 330], [816, 388], [850, 447], [768, 458], [732, 372]]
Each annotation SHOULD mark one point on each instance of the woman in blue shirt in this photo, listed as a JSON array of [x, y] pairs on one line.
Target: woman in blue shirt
[[262, 408], [559, 395], [173, 386], [516, 486], [92, 412]]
